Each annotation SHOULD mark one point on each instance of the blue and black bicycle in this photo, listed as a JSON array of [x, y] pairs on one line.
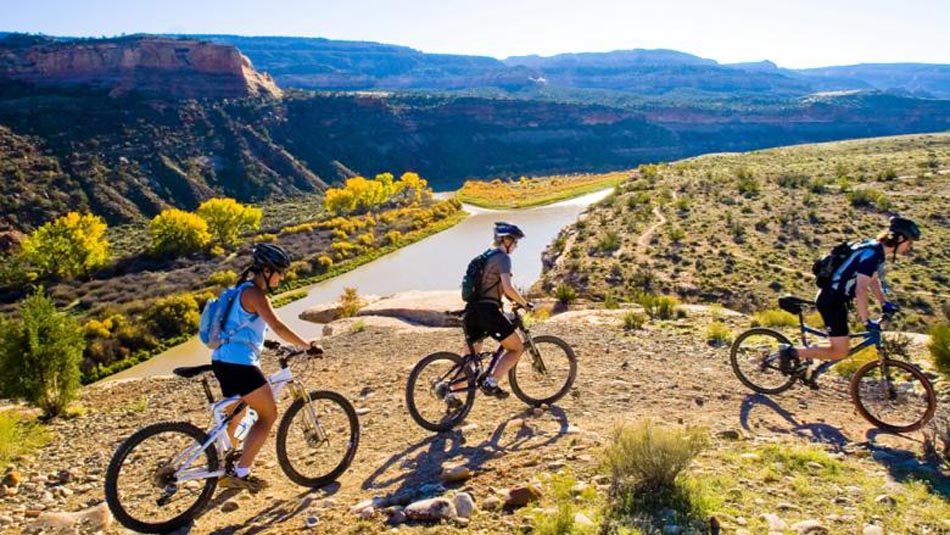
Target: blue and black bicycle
[[893, 395]]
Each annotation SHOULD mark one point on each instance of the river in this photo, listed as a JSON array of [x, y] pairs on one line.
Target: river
[[435, 263]]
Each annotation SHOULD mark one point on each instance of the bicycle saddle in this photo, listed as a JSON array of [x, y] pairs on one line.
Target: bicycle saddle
[[795, 305], [188, 372]]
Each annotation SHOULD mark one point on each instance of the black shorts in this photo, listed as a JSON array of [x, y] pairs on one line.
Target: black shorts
[[237, 379], [486, 319], [833, 308]]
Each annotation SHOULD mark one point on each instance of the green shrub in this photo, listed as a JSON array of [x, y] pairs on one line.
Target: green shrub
[[633, 320], [609, 241], [19, 436], [866, 197], [647, 456], [747, 183], [288, 298], [174, 315], [565, 293], [792, 180], [718, 334], [68, 246], [40, 355], [174, 232], [227, 219], [939, 347], [610, 300], [774, 318], [662, 307]]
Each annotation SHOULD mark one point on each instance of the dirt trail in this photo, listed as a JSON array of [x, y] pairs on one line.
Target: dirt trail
[[664, 373], [643, 242]]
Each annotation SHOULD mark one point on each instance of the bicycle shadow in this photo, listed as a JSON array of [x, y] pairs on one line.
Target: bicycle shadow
[[418, 468], [903, 465], [278, 512], [815, 432]]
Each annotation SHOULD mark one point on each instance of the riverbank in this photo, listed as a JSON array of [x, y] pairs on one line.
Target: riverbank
[[540, 191]]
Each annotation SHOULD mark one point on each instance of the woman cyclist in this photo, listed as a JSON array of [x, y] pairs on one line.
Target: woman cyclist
[[861, 274], [236, 363]]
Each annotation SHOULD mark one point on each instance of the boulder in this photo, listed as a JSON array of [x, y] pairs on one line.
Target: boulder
[[433, 509], [456, 473], [422, 308], [522, 495], [809, 527], [94, 519], [464, 504]]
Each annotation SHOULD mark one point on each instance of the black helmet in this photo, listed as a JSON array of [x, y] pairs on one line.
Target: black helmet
[[267, 255], [507, 229], [905, 227]]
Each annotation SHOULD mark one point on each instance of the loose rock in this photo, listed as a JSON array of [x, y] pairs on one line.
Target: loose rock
[[456, 473], [522, 495], [433, 509], [464, 504], [809, 526]]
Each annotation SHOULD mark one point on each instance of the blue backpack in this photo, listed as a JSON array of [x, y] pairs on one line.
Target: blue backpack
[[213, 318]]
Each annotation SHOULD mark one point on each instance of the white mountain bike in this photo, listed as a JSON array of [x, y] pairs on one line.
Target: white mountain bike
[[162, 476]]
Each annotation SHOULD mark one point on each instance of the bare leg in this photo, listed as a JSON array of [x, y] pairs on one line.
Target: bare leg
[[262, 401], [837, 351], [514, 348]]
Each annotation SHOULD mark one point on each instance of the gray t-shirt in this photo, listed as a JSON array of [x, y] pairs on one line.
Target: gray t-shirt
[[498, 264]]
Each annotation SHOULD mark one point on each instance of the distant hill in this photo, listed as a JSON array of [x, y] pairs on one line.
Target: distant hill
[[916, 79], [70, 145], [182, 68]]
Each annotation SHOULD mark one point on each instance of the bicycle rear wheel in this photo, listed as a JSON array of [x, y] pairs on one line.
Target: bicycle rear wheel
[[546, 376], [315, 448], [430, 381], [141, 488], [754, 358], [893, 395]]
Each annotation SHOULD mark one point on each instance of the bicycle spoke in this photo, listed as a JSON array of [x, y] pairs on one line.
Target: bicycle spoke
[[755, 361], [144, 486], [545, 373], [895, 395], [440, 391], [316, 440]]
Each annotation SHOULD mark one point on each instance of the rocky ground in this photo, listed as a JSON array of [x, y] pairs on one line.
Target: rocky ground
[[666, 372]]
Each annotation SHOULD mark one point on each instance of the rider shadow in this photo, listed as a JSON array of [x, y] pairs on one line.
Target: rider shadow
[[814, 432], [421, 464], [278, 512], [902, 464]]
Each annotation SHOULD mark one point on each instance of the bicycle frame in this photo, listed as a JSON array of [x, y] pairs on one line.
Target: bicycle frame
[[474, 359], [868, 339], [218, 436]]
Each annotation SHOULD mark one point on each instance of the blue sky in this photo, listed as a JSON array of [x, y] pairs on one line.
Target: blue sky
[[805, 33]]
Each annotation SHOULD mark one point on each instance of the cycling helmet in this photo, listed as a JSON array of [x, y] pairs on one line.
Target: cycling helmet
[[905, 227], [267, 255], [507, 229]]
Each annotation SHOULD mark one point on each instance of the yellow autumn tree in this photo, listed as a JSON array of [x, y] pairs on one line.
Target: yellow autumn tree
[[177, 232], [227, 219], [68, 246]]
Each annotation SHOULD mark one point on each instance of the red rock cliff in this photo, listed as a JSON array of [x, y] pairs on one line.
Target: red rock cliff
[[152, 65]]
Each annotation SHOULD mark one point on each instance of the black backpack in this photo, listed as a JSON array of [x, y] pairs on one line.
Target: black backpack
[[472, 281], [824, 268]]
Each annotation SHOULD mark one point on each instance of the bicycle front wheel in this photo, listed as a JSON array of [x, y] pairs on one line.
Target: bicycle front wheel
[[141, 486], [893, 395], [755, 361], [545, 374], [317, 440], [431, 382]]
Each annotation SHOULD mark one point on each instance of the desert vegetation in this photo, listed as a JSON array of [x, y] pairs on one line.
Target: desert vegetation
[[135, 305], [743, 228], [534, 191]]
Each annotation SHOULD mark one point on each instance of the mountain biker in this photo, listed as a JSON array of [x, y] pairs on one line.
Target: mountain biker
[[236, 364], [860, 274], [484, 316]]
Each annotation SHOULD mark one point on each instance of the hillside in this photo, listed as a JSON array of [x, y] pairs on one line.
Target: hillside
[[127, 158], [742, 229], [801, 456]]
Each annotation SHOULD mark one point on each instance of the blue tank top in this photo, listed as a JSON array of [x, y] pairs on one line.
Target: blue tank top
[[245, 344]]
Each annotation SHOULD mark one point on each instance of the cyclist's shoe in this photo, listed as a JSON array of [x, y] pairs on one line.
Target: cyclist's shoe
[[490, 388], [788, 359], [249, 483], [453, 402], [807, 375]]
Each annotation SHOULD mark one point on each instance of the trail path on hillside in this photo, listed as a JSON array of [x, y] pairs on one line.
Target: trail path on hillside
[[666, 373], [643, 242]]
